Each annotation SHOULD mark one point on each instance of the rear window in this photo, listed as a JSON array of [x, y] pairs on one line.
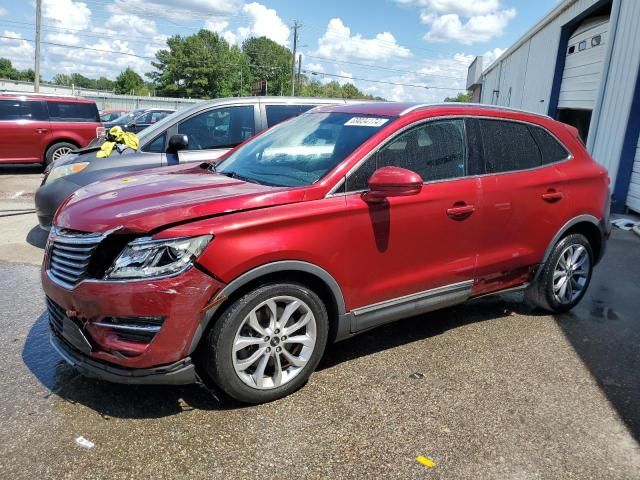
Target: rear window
[[73, 112], [11, 110], [280, 113], [508, 146], [552, 151]]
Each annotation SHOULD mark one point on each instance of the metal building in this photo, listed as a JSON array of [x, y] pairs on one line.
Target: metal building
[[579, 64]]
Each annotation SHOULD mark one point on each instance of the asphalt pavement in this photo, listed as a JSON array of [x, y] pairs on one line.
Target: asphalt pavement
[[487, 390]]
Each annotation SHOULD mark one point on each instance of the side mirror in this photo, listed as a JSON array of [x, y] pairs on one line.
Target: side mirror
[[392, 182], [178, 142]]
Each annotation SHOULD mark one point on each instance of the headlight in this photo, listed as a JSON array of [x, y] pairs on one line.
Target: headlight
[[64, 170], [145, 258]]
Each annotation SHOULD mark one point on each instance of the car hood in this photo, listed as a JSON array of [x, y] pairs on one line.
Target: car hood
[[149, 200]]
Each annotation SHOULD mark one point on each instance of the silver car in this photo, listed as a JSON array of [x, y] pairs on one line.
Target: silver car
[[204, 131]]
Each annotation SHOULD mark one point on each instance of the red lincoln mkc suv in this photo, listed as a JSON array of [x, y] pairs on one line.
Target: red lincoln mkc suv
[[332, 223]]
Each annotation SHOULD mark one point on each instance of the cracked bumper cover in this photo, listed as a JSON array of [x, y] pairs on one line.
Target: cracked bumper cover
[[181, 372]]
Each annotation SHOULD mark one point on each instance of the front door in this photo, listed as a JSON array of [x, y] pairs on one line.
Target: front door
[[410, 245]]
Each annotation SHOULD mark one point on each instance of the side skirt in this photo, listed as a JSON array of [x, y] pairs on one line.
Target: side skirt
[[377, 314]]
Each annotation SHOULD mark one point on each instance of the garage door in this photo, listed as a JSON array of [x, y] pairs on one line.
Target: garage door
[[583, 65], [633, 197]]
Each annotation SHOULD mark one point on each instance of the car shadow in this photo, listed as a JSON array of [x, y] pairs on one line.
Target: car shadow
[[604, 328], [16, 169], [37, 237], [109, 399], [424, 326], [151, 401]]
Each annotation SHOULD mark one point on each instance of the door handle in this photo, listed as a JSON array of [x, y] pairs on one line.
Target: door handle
[[42, 130], [460, 211], [552, 196]]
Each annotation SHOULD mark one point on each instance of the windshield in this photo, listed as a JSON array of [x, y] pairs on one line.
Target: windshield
[[150, 132], [301, 151], [127, 117]]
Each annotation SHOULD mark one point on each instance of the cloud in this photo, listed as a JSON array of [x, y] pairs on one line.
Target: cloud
[[491, 56], [480, 28], [66, 14], [260, 22], [338, 43], [20, 52], [463, 21], [466, 8], [3, 11]]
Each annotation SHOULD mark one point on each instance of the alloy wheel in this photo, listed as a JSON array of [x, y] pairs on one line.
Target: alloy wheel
[[571, 273], [60, 152], [274, 342]]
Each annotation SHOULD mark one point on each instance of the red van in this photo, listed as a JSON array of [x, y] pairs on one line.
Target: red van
[[332, 223], [38, 128]]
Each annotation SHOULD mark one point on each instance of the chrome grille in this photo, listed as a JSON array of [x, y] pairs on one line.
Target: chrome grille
[[56, 314], [69, 254]]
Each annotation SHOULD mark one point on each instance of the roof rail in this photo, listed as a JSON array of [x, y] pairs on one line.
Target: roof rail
[[32, 94], [475, 105]]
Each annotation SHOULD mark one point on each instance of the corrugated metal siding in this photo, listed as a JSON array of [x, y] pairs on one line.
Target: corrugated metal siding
[[530, 84], [618, 92], [633, 198]]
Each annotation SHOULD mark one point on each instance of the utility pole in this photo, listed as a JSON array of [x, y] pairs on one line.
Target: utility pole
[[296, 26], [36, 85], [299, 69]]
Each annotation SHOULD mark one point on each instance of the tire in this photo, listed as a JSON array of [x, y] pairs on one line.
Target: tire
[[574, 254], [260, 345], [57, 150]]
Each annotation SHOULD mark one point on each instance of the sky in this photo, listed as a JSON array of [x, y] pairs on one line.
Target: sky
[[404, 50]]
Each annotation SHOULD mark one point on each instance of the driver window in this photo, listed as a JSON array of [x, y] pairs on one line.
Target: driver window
[[435, 150], [223, 127]]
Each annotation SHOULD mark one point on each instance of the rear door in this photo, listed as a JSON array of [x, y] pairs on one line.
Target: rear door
[[215, 131], [24, 130], [522, 198], [77, 121]]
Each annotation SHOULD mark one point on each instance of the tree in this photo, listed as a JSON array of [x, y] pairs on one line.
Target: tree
[[129, 82], [462, 97], [203, 65], [269, 61], [9, 72]]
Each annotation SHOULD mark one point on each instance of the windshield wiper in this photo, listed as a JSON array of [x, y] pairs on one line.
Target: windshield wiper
[[232, 174]]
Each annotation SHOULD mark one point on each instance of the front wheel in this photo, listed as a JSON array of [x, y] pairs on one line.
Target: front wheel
[[565, 276], [267, 343]]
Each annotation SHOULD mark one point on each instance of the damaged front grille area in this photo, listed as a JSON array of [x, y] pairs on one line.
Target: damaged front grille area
[[69, 254], [133, 329]]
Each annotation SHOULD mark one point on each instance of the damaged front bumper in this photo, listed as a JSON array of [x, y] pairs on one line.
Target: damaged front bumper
[[179, 373]]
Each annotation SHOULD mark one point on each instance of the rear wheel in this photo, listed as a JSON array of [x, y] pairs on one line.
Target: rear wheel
[[565, 276], [267, 343], [58, 150]]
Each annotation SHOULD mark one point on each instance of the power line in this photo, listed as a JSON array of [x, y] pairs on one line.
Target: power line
[[379, 67], [426, 87]]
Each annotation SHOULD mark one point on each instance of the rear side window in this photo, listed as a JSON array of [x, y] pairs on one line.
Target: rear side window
[[552, 151], [280, 113], [73, 112], [508, 146], [11, 110]]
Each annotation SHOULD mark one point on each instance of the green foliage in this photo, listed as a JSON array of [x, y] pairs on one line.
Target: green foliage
[[130, 83], [271, 62], [315, 88], [7, 71], [80, 81], [462, 97], [203, 65]]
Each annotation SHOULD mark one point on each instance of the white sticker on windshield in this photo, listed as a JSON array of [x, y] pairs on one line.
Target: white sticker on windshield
[[366, 122]]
